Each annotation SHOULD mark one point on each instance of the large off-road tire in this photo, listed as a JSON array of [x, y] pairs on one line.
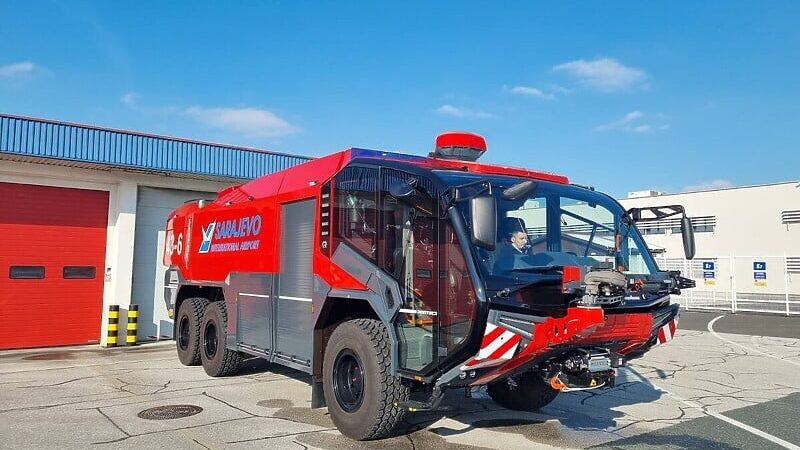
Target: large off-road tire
[[218, 361], [188, 326], [359, 389], [530, 394]]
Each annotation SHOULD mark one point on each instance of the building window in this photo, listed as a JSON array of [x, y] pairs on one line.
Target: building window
[[793, 264], [26, 272], [79, 272], [700, 224], [790, 216], [703, 224], [355, 209]]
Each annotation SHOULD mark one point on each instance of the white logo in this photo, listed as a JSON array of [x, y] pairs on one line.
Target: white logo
[[208, 234]]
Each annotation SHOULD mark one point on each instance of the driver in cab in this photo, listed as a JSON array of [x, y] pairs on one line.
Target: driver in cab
[[513, 249]]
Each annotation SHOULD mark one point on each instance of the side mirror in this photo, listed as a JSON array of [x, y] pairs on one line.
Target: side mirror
[[483, 213], [688, 237]]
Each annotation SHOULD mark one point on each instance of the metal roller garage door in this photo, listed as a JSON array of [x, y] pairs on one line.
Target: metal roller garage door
[[52, 254], [152, 208]]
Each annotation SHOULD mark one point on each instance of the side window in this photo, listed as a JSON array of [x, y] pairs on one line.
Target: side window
[[355, 210]]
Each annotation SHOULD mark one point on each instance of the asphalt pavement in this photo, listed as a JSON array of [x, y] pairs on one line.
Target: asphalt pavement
[[743, 323]]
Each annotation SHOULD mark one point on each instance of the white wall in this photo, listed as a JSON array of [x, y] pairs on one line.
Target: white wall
[[748, 220]]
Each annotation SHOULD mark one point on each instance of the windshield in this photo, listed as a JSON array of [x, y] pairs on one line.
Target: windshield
[[557, 225]]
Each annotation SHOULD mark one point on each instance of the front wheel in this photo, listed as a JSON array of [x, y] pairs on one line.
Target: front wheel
[[359, 389], [530, 393]]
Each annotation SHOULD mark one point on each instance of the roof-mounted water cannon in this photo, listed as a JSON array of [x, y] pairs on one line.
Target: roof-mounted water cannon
[[459, 145]]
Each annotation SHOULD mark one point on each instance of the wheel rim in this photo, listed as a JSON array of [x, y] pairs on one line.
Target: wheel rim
[[348, 380], [183, 333], [210, 340]]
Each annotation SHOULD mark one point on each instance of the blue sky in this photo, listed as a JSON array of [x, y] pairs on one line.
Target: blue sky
[[624, 96]]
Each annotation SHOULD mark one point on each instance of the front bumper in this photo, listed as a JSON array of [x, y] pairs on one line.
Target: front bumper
[[509, 348]]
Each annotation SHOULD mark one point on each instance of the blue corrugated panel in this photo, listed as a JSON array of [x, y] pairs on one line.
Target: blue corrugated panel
[[75, 142]]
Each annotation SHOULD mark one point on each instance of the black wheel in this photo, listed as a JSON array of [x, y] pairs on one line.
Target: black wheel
[[530, 394], [359, 389], [218, 361], [187, 330]]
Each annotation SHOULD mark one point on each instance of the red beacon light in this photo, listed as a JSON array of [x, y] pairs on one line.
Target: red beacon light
[[459, 145]]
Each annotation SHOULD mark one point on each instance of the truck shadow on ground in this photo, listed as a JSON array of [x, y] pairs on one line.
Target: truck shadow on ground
[[575, 419], [596, 411]]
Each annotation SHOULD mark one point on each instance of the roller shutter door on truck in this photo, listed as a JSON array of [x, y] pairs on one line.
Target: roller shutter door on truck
[[152, 208], [52, 257]]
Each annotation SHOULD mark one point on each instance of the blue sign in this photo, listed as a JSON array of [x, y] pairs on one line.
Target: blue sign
[[709, 275], [759, 265], [760, 275], [708, 265]]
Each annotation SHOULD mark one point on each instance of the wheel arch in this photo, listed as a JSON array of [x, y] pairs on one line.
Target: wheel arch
[[210, 293], [335, 311]]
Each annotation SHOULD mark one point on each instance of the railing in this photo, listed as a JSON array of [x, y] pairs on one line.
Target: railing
[[764, 284], [27, 136]]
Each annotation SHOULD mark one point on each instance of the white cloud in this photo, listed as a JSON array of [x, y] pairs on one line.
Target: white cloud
[[709, 185], [15, 69], [530, 92], [252, 122], [129, 99], [637, 122], [605, 74], [450, 110], [560, 89]]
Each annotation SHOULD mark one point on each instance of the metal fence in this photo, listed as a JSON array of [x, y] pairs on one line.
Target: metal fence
[[736, 283], [29, 136]]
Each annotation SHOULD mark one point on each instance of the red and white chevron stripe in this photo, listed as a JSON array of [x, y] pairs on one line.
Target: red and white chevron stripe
[[667, 332], [498, 346]]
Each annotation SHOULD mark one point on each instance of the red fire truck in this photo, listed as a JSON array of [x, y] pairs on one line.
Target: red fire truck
[[391, 278]]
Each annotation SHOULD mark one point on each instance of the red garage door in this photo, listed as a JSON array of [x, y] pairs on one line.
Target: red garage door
[[52, 254]]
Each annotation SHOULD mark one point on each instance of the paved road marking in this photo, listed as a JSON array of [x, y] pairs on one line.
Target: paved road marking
[[714, 333], [736, 423], [694, 405]]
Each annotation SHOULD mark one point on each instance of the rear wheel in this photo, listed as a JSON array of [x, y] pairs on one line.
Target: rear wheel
[[359, 389], [218, 361], [530, 393], [188, 326]]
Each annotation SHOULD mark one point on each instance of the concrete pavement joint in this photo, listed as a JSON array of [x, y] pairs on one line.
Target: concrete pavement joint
[[231, 406], [265, 438], [201, 444], [191, 427], [112, 422]]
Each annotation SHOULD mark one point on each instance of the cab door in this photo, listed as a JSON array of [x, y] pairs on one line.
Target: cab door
[[420, 250]]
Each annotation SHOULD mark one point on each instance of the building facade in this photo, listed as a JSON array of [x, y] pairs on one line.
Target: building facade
[[748, 245], [82, 223]]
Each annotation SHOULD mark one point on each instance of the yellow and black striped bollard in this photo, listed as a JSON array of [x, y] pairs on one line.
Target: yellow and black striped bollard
[[113, 326], [133, 325]]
